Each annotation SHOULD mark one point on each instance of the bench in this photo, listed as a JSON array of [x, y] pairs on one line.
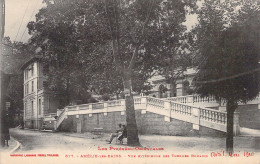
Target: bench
[[97, 131]]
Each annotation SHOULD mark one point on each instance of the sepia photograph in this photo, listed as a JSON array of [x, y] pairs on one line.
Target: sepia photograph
[[130, 81]]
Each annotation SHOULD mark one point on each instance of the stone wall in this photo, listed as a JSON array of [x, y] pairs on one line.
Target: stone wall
[[147, 123], [249, 116]]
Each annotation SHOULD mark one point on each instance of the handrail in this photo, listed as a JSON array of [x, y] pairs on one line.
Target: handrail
[[60, 118]]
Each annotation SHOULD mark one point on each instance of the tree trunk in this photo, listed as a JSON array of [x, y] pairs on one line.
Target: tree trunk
[[231, 107], [132, 131]]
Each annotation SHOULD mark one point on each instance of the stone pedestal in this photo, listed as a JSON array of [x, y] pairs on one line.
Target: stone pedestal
[[222, 108]]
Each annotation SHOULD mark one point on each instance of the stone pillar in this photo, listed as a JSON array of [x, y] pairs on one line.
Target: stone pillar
[[222, 108], [144, 104], [55, 125], [66, 113], [59, 111], [190, 99], [105, 109], [90, 109], [196, 116], [236, 127], [167, 108], [124, 107]]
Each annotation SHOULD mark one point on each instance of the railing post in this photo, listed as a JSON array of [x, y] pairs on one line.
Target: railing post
[[196, 116], [144, 104], [190, 99], [222, 108], [90, 108], [77, 108], [124, 107], [167, 108], [66, 113], [59, 112], [105, 109], [55, 125]]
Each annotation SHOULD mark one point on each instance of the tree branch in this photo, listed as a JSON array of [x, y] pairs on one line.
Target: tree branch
[[115, 38], [131, 64]]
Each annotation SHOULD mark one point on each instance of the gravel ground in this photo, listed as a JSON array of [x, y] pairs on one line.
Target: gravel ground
[[82, 148]]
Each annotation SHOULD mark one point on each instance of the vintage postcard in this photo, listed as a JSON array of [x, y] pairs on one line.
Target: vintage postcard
[[130, 81]]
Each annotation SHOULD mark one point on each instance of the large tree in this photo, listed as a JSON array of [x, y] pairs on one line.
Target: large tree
[[228, 47], [109, 45]]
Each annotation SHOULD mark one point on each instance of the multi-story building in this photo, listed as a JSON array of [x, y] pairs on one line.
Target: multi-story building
[[181, 86], [38, 101]]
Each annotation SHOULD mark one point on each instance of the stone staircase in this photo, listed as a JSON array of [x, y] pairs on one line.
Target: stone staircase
[[192, 109], [173, 108]]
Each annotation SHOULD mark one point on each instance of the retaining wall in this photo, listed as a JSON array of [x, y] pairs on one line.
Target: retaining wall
[[147, 123]]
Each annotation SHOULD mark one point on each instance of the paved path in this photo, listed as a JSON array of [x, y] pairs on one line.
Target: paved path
[[71, 146], [13, 145]]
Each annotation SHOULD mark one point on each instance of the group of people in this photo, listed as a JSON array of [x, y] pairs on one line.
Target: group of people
[[120, 133]]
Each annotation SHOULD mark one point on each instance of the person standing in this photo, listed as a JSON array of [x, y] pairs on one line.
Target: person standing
[[5, 130]]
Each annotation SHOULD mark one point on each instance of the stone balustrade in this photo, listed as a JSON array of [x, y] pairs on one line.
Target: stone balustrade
[[211, 101], [114, 103], [50, 115], [97, 106], [71, 108], [213, 115], [137, 100], [198, 116], [59, 119], [83, 107], [193, 99], [158, 103], [181, 108]]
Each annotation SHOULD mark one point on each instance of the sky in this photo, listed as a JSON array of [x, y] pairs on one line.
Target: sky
[[20, 12]]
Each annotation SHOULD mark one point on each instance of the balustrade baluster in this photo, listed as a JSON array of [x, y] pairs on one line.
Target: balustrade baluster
[[218, 118], [209, 115], [206, 114], [213, 116]]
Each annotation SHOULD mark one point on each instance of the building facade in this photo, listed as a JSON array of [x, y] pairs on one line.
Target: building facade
[[182, 86], [38, 101]]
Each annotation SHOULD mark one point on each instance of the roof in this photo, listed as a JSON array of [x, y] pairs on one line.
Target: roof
[[31, 60]]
